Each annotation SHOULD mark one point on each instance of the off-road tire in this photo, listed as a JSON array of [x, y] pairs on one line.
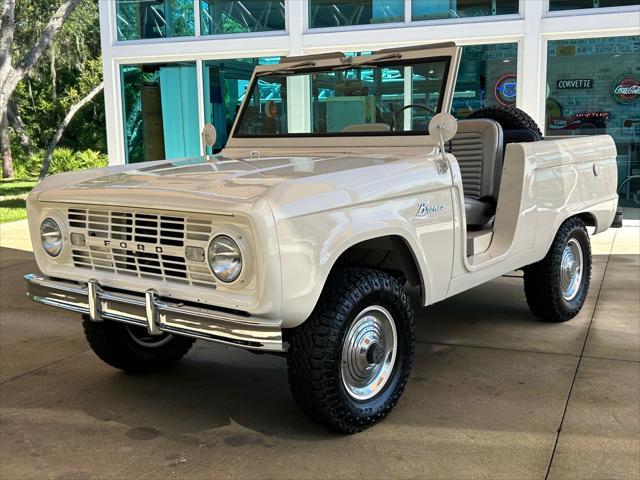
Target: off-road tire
[[114, 345], [542, 284], [315, 354], [510, 118]]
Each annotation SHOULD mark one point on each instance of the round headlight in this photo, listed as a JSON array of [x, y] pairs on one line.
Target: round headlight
[[51, 237], [225, 258]]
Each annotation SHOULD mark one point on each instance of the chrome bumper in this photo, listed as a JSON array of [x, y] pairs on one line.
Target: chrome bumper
[[157, 315]]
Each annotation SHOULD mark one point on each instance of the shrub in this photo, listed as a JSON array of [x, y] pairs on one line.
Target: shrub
[[63, 160], [27, 166]]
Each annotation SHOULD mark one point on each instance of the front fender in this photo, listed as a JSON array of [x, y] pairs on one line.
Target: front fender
[[310, 246]]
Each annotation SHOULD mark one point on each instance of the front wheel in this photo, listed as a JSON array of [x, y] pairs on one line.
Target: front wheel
[[556, 287], [349, 362], [131, 348]]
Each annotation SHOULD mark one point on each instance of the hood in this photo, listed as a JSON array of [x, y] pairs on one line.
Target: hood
[[226, 181]]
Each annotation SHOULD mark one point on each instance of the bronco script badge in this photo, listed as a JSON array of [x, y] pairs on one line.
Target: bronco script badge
[[424, 209]]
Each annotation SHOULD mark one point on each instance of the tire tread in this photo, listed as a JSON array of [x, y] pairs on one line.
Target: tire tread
[[311, 363], [542, 279]]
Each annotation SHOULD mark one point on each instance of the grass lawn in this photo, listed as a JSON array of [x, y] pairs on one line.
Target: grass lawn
[[13, 194]]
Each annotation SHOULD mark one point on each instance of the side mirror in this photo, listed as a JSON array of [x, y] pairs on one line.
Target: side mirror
[[209, 135], [443, 127]]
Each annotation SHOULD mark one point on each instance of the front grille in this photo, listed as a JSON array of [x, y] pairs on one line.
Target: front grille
[[141, 243]]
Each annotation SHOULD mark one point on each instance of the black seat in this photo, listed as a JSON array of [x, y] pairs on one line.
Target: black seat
[[478, 147]]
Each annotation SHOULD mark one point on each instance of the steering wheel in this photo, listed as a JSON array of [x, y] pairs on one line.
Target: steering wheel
[[410, 105]]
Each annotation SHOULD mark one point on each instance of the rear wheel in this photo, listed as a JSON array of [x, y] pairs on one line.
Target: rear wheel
[[349, 362], [131, 348], [557, 286]]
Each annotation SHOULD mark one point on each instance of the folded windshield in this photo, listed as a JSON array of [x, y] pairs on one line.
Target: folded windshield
[[390, 98]]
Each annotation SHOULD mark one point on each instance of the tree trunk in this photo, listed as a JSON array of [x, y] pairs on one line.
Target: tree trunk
[[52, 66], [67, 119], [5, 147], [15, 120]]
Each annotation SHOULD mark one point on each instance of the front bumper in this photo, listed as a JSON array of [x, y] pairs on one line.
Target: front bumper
[[156, 314]]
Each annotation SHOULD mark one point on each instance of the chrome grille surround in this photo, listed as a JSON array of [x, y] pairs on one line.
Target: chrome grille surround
[[141, 243]]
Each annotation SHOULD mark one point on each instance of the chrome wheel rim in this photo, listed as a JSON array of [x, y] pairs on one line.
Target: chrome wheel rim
[[140, 336], [369, 353], [571, 269]]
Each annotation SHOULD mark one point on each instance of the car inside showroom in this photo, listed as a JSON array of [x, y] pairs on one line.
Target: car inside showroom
[[320, 239]]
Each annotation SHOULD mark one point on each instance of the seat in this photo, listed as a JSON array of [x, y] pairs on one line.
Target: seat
[[478, 147]]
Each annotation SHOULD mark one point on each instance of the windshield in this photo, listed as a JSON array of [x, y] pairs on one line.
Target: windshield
[[390, 99]]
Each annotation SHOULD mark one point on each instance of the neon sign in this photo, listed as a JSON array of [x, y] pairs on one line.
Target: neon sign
[[626, 89], [506, 89]]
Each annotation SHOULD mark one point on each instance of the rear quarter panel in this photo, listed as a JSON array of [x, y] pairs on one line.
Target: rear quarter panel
[[573, 176], [543, 184]]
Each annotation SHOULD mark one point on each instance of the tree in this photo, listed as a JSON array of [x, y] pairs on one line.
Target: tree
[[12, 73], [67, 119]]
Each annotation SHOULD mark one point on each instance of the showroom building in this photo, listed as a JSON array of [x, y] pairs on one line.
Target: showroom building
[[172, 66]]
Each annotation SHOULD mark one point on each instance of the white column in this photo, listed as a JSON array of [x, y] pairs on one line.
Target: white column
[[532, 63], [299, 104], [408, 98], [296, 15], [112, 98], [298, 88], [196, 18], [200, 86]]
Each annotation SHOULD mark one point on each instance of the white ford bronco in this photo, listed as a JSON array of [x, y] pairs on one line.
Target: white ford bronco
[[344, 180]]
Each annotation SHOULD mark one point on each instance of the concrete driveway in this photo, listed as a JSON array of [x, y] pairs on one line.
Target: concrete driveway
[[494, 394]]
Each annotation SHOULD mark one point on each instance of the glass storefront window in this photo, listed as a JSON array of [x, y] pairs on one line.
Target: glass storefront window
[[593, 88], [487, 76], [241, 16], [160, 110], [580, 4], [343, 13], [138, 19], [225, 84], [438, 9]]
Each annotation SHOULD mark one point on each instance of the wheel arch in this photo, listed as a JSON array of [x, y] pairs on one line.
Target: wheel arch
[[389, 251]]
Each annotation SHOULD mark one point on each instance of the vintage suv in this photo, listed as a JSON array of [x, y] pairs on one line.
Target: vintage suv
[[343, 181]]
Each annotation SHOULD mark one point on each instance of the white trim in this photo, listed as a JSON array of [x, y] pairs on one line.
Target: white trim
[[592, 26], [202, 38], [413, 24], [356, 40], [589, 11], [111, 90], [135, 52], [111, 13]]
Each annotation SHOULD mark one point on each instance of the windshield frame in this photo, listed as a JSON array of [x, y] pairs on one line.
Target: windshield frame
[[448, 53]]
